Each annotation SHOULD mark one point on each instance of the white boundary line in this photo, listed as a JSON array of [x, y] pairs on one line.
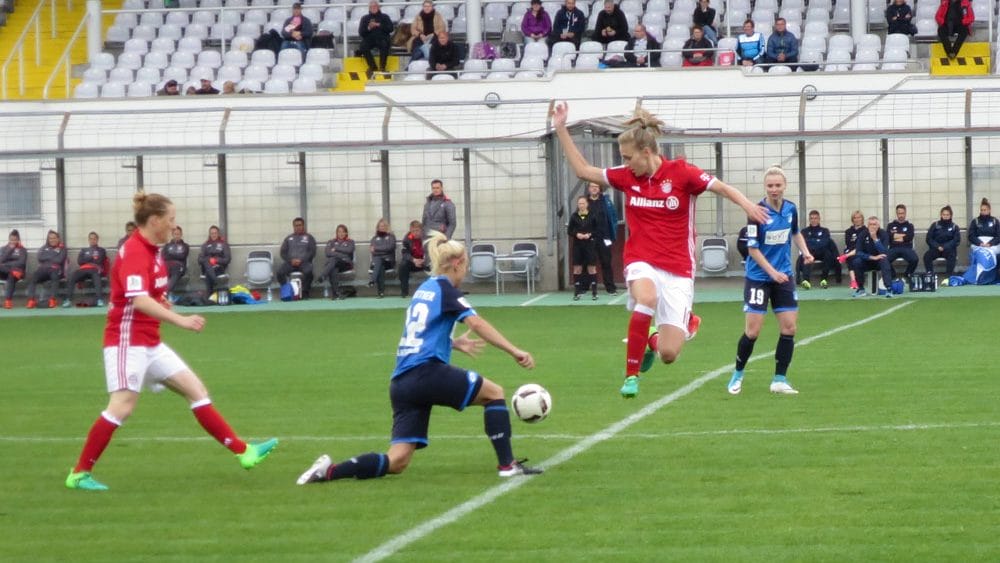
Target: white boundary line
[[535, 299], [393, 545]]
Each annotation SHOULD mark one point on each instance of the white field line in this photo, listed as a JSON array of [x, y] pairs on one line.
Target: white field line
[[535, 299], [393, 545]]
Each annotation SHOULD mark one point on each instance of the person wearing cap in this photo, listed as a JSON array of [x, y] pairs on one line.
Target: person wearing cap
[[170, 88], [297, 31], [206, 87], [13, 261]]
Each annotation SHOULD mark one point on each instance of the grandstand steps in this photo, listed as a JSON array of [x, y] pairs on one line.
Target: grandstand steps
[[973, 59], [35, 76], [352, 77]]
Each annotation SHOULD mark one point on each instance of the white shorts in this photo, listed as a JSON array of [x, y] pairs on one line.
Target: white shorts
[[675, 295], [137, 366]]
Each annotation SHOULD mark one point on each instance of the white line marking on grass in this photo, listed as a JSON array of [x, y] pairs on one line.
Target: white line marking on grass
[[535, 299], [417, 533]]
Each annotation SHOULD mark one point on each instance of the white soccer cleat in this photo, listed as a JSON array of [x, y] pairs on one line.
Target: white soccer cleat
[[783, 388], [735, 385], [316, 472]]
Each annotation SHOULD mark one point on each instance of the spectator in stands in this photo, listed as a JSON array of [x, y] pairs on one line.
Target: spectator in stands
[[581, 228], [13, 262], [383, 252], [697, 49], [569, 25], [704, 17], [339, 258], [297, 31], [214, 258], [850, 241], [642, 49], [750, 45], [424, 28], [782, 46], [170, 88], [191, 90], [129, 229], [611, 24], [228, 87], [51, 267], [445, 54], [439, 211], [985, 229], [824, 251], [954, 18], [605, 233], [175, 254], [93, 262], [375, 30], [298, 252], [206, 88], [901, 234], [412, 258], [899, 17], [536, 25], [872, 253], [943, 239]]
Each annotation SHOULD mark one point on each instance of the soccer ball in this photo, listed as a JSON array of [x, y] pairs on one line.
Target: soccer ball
[[531, 402]]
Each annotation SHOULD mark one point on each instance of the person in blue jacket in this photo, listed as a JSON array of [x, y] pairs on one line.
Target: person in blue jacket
[[871, 252], [750, 45], [782, 46], [824, 252], [569, 24], [943, 238], [984, 230]]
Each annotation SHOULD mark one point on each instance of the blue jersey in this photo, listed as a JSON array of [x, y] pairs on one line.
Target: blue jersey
[[774, 240], [435, 308]]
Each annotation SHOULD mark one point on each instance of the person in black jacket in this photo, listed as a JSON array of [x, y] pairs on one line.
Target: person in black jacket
[[642, 49], [697, 50], [985, 229], [871, 252], [568, 25], [51, 267], [899, 18], [297, 31], [214, 258], [175, 254], [375, 30], [581, 229], [943, 239], [606, 220], [850, 241], [704, 17], [445, 54], [412, 258], [824, 250], [93, 262], [611, 24], [901, 234], [339, 258]]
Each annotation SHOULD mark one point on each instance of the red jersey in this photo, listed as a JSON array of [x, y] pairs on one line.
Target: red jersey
[[659, 212], [138, 270]]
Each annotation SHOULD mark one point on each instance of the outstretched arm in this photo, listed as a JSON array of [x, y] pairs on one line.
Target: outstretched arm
[[754, 212], [485, 330], [583, 169]]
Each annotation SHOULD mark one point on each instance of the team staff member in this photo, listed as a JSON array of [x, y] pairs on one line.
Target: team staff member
[[214, 258], [769, 279], [659, 260], [298, 252], [823, 249], [606, 220], [175, 254], [13, 261], [943, 239], [872, 253], [901, 234], [424, 376], [134, 356], [439, 211], [850, 241], [51, 267], [984, 230], [339, 253], [581, 229], [93, 262], [412, 257]]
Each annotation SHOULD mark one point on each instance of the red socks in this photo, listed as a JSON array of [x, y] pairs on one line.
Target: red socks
[[97, 439], [214, 424], [638, 338]]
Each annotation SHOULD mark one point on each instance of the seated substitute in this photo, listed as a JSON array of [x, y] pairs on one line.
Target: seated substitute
[[984, 230], [298, 252], [850, 241], [901, 234], [943, 238], [175, 254], [413, 257], [383, 252], [13, 264], [214, 258], [93, 262], [824, 251], [339, 258], [872, 253], [51, 268]]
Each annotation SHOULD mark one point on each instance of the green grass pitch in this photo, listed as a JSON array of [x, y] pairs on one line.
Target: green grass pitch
[[888, 454]]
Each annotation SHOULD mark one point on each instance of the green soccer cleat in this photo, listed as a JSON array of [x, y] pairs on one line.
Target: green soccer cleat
[[83, 481], [256, 452], [631, 387], [806, 285], [649, 356], [823, 284]]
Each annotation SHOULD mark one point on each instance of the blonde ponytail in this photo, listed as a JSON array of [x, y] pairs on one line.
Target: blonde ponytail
[[442, 251]]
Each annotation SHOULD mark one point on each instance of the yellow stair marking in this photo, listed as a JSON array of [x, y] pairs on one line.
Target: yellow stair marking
[[973, 59], [352, 78], [52, 49]]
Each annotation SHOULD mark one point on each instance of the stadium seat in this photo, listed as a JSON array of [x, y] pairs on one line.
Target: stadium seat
[[291, 57], [521, 263], [531, 63], [163, 45], [926, 27], [276, 86], [320, 57], [842, 42], [103, 61], [588, 61], [180, 18], [148, 74], [140, 90], [146, 32], [838, 61], [536, 50], [126, 20], [189, 45], [205, 18], [180, 74], [303, 85], [183, 59], [259, 270], [196, 31], [897, 41], [256, 72], [131, 61], [263, 57], [474, 67], [440, 77], [258, 17], [95, 75], [483, 261], [672, 60], [152, 19], [199, 73], [616, 49], [241, 43], [250, 86], [421, 65], [170, 31], [140, 46], [814, 43], [235, 58], [592, 47], [117, 34], [507, 66], [222, 32], [86, 91], [230, 73], [869, 42], [563, 49], [211, 59], [113, 90], [311, 71], [780, 69]]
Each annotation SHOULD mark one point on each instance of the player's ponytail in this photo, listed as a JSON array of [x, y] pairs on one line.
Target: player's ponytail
[[149, 205], [986, 203], [443, 252], [642, 131]]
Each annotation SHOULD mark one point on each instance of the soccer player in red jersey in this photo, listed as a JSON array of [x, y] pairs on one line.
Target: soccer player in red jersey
[[659, 255], [135, 357]]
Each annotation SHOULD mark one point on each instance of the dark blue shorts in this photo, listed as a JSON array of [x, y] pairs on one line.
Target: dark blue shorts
[[415, 392], [782, 296]]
